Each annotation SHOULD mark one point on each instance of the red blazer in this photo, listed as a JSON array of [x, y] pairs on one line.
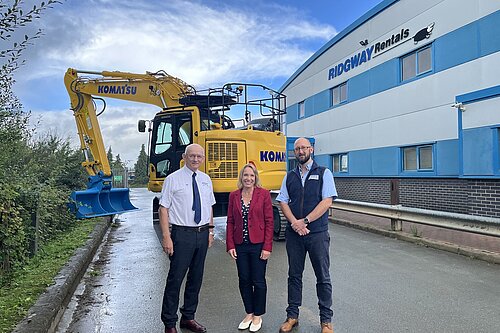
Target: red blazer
[[260, 219]]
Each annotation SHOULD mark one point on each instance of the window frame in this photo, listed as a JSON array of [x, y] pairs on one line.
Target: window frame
[[496, 145], [418, 149], [302, 110], [338, 88], [292, 162], [340, 169], [417, 54]]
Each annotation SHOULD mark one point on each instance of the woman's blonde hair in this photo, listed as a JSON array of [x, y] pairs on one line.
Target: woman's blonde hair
[[255, 172]]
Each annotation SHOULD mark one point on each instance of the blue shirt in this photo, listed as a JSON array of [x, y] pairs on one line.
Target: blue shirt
[[329, 189]]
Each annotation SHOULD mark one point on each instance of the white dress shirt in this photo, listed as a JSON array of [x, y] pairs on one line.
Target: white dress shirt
[[177, 196]]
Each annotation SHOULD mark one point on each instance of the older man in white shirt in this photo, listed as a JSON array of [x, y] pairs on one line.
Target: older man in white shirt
[[186, 222]]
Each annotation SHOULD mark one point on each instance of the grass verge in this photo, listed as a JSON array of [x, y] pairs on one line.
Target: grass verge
[[29, 282]]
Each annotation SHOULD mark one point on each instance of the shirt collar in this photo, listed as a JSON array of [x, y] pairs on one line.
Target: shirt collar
[[308, 166], [188, 171]]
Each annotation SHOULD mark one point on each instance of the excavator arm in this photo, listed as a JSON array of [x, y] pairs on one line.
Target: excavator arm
[[83, 88], [158, 89]]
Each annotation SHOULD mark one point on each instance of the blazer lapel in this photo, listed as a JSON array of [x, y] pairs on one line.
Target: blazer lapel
[[255, 198], [238, 204]]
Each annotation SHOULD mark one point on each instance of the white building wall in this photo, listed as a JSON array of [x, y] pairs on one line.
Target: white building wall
[[448, 15], [482, 113]]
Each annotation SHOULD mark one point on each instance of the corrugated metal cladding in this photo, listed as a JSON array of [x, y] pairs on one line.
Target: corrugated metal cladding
[[411, 90]]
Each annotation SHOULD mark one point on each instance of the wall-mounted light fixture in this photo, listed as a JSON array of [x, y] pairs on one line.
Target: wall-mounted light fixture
[[458, 105]]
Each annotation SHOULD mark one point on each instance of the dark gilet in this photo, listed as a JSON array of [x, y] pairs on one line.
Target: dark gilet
[[303, 199]]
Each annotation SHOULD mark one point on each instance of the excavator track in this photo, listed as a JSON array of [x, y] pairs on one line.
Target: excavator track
[[280, 223]]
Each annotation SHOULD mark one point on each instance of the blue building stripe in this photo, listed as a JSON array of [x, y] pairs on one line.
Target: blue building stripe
[[388, 162], [476, 96]]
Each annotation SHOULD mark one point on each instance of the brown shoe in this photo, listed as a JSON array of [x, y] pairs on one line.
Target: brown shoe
[[193, 326], [288, 325], [326, 328]]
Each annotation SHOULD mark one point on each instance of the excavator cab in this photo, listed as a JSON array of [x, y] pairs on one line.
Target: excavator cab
[[203, 117], [171, 133]]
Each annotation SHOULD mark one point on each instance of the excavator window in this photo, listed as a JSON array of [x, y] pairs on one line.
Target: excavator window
[[170, 135], [185, 133], [208, 117], [163, 138]]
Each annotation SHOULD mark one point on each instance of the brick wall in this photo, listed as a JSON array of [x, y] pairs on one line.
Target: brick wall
[[465, 196], [449, 195], [376, 190], [484, 197]]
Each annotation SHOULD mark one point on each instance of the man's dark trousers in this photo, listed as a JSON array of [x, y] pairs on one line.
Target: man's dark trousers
[[318, 246], [190, 250]]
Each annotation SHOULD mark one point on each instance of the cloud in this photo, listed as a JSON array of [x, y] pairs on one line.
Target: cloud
[[118, 127], [205, 43], [200, 44]]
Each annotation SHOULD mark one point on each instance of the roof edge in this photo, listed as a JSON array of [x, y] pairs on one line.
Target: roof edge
[[353, 26]]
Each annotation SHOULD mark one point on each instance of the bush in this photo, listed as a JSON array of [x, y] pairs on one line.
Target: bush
[[33, 195]]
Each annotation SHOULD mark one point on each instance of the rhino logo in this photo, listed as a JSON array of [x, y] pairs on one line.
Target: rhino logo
[[423, 34]]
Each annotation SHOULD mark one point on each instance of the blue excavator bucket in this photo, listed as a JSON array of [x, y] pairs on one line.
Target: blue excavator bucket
[[100, 199]]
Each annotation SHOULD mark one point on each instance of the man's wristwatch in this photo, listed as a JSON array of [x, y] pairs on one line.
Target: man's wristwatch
[[306, 221]]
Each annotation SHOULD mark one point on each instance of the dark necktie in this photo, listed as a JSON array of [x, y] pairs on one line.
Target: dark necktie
[[196, 201]]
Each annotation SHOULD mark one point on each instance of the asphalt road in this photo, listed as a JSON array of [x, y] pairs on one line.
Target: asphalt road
[[380, 285]]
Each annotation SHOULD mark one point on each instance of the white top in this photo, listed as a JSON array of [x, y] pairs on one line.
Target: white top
[[177, 196]]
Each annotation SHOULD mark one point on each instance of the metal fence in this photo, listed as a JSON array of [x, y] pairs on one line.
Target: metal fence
[[469, 223], [121, 177]]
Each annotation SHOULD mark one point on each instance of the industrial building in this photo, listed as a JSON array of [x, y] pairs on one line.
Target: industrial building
[[404, 105]]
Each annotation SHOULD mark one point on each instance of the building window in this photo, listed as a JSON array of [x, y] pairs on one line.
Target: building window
[[340, 163], [417, 158], [416, 63], [292, 161], [339, 93], [302, 110]]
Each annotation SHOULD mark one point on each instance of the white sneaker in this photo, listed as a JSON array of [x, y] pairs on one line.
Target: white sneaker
[[244, 324], [255, 328]]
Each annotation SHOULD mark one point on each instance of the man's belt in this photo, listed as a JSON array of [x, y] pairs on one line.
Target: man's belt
[[193, 229]]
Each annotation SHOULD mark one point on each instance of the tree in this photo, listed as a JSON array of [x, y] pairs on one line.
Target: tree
[[141, 168], [109, 155], [118, 165], [20, 182], [14, 129]]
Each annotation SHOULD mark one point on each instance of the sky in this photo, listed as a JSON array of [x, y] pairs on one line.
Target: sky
[[206, 43]]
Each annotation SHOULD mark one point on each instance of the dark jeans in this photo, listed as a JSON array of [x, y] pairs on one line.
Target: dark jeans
[[190, 250], [318, 247], [252, 277]]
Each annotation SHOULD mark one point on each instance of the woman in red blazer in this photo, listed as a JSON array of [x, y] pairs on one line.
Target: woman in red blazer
[[249, 240]]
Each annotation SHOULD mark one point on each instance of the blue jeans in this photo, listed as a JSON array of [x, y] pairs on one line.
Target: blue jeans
[[317, 245], [252, 277]]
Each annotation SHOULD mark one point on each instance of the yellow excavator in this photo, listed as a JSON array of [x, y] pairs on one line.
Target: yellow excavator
[[237, 123]]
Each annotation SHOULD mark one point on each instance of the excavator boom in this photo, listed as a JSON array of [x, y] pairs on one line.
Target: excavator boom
[[160, 88]]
